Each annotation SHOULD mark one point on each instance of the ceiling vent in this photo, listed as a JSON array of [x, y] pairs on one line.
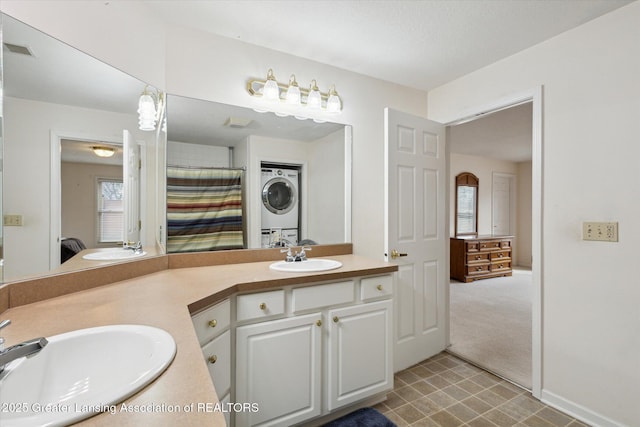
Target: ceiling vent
[[21, 50], [237, 122]]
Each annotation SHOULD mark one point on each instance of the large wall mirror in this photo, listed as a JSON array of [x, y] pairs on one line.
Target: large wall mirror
[[59, 104], [466, 220], [295, 178]]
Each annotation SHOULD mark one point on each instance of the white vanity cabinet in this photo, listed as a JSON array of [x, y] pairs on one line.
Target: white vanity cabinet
[[329, 347], [212, 327]]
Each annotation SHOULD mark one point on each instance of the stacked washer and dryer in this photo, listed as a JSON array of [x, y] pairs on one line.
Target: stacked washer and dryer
[[280, 205]]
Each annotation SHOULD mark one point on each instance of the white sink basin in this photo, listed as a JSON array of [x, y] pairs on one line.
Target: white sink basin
[[113, 254], [310, 265], [82, 373]]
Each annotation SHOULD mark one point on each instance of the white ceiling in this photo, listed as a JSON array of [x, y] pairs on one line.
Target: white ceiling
[[417, 43]]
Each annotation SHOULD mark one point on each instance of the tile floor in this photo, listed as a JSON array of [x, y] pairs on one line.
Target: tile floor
[[445, 391]]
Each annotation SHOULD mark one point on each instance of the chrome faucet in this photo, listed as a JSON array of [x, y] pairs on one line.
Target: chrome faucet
[[19, 350], [135, 247], [295, 256]]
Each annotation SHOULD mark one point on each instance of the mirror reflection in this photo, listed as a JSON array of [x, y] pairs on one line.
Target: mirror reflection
[[63, 112], [242, 179], [466, 204]]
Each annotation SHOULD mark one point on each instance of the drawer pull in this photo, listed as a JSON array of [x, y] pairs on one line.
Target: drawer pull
[[212, 359], [379, 287], [336, 319], [478, 268], [213, 323], [319, 323], [263, 306], [478, 257]]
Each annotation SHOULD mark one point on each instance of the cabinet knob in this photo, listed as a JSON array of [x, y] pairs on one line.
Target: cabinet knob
[[336, 319], [379, 287], [263, 306], [213, 359], [319, 323], [213, 323]]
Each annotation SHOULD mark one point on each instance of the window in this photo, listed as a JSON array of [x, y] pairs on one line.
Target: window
[[110, 210]]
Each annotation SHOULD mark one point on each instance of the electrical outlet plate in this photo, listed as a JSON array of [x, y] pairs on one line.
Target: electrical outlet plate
[[600, 231], [12, 220]]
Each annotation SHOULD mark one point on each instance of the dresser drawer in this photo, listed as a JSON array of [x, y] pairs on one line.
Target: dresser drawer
[[505, 244], [478, 269], [472, 246], [478, 257], [501, 255], [314, 297], [260, 305], [217, 354], [376, 287], [499, 266], [212, 321], [490, 245]]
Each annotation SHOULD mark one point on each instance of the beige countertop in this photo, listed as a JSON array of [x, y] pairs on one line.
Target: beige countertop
[[166, 299]]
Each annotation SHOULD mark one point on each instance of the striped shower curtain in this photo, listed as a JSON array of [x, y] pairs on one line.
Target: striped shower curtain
[[204, 209]]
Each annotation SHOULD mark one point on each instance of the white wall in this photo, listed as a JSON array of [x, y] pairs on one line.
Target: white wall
[[185, 154], [591, 344]]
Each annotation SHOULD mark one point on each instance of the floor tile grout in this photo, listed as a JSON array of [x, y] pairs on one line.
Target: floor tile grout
[[435, 403]]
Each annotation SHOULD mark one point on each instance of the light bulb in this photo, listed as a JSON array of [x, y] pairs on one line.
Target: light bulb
[[314, 99], [293, 92], [146, 112], [334, 105], [271, 91]]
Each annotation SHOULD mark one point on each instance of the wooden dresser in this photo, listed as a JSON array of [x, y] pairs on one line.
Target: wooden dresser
[[480, 257]]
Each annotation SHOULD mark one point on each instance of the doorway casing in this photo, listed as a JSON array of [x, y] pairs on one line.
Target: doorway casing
[[534, 96]]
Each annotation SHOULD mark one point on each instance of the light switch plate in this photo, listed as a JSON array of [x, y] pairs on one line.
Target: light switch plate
[[600, 231], [12, 220]]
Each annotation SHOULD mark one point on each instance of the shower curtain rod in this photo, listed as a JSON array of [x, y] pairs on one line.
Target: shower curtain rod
[[243, 168]]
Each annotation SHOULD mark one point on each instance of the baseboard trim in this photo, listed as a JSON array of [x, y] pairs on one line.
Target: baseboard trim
[[578, 411]]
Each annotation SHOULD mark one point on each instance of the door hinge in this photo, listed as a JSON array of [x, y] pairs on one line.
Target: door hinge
[[139, 224]]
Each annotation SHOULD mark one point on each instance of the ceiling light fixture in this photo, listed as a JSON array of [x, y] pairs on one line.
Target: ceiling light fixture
[[102, 151], [150, 109], [292, 100]]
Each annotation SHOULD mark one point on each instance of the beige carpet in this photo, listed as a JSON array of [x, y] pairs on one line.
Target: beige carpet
[[491, 324]]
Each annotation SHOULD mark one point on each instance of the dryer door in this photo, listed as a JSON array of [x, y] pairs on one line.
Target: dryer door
[[279, 196]]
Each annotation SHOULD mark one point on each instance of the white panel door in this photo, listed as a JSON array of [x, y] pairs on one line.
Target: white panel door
[[501, 204], [415, 236], [278, 366], [131, 179]]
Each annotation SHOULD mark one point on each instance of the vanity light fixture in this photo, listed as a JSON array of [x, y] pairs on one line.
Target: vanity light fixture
[[102, 151], [150, 109], [291, 99]]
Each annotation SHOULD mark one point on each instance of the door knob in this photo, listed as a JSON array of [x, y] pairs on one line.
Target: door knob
[[395, 254]]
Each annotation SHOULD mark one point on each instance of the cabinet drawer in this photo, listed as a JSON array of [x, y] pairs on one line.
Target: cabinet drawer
[[500, 266], [505, 244], [217, 354], [472, 246], [212, 321], [376, 287], [490, 245], [478, 269], [500, 255], [314, 297], [478, 257], [260, 305]]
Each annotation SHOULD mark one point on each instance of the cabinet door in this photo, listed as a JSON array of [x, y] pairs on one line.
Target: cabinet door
[[278, 366], [359, 352]]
